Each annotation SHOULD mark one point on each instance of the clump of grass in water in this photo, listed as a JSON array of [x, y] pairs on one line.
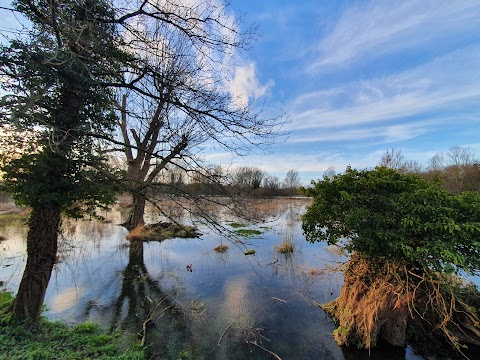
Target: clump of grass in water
[[247, 232], [54, 340], [236, 225], [285, 247], [221, 248], [161, 231]]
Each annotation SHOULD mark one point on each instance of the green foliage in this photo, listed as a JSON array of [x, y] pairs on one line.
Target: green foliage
[[236, 225], [54, 340], [57, 89], [398, 216], [247, 232]]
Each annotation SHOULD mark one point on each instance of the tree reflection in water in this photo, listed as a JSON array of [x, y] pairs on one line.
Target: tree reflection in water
[[143, 308]]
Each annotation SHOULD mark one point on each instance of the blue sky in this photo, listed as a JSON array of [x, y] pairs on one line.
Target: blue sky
[[359, 77], [356, 78]]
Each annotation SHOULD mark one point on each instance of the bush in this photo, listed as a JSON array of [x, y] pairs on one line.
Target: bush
[[397, 216]]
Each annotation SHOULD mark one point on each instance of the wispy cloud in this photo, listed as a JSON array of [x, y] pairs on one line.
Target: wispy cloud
[[442, 84], [384, 134], [377, 28]]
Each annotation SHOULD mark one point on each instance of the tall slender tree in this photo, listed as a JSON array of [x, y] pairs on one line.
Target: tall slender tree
[[53, 77]]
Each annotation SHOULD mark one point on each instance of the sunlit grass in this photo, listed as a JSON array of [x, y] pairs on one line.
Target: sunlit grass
[[221, 248], [161, 231], [285, 247]]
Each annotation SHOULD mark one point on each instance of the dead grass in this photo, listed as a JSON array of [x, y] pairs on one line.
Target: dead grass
[[221, 248], [286, 247], [381, 298], [161, 231]]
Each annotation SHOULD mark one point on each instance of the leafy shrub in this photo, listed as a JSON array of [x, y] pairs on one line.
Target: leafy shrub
[[398, 216]]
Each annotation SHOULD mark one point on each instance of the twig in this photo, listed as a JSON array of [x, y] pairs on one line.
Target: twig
[[275, 298], [220, 339], [266, 350]]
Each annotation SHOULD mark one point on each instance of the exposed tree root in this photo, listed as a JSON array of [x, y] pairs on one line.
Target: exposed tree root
[[392, 301]]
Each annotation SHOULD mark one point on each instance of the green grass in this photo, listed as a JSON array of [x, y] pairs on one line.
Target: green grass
[[236, 225], [55, 340], [247, 232]]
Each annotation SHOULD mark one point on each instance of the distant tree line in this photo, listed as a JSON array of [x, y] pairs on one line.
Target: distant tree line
[[219, 181], [458, 168]]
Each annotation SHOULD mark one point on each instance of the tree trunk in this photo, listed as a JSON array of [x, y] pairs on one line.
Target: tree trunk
[[135, 218], [44, 224]]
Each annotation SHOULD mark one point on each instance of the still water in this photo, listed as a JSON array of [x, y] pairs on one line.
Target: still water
[[186, 301]]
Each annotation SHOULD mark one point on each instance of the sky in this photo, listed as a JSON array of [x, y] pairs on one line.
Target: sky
[[357, 78]]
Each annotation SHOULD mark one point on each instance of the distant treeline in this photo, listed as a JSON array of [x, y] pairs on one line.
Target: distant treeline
[[458, 168], [242, 181]]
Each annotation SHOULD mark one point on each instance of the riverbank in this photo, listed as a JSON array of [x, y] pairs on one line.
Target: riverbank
[[55, 340]]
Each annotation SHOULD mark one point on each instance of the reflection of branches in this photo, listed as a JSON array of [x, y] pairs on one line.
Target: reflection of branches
[[142, 295]]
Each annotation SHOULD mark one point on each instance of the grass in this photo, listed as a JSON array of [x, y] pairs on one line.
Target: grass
[[161, 231], [7, 218], [55, 340], [247, 232], [286, 247], [221, 248], [236, 225]]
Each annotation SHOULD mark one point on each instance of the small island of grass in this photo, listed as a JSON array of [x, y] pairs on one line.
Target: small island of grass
[[162, 231], [247, 232]]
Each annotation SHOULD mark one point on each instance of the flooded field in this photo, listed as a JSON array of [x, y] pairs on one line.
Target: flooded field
[[185, 300]]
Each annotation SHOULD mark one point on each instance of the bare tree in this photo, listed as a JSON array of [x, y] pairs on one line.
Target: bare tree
[[393, 159], [458, 167], [247, 178], [271, 184], [291, 182], [329, 173], [412, 167], [177, 101]]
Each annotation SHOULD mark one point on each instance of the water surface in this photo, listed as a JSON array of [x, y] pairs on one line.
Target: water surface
[[187, 301]]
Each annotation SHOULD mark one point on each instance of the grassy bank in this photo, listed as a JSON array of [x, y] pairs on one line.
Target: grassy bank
[[54, 340]]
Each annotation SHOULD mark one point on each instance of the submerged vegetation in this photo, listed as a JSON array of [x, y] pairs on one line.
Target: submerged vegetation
[[54, 340], [410, 240], [247, 232]]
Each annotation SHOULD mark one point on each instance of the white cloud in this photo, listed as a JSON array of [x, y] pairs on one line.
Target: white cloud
[[377, 28], [446, 83], [245, 85], [384, 134]]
